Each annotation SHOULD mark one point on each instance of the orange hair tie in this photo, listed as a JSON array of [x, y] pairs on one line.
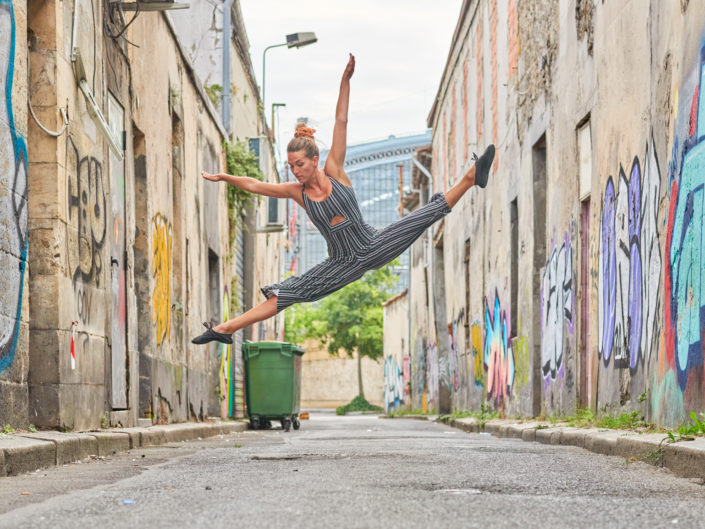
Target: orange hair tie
[[305, 132]]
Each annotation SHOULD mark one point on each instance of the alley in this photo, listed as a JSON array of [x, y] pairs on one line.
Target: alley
[[353, 471]]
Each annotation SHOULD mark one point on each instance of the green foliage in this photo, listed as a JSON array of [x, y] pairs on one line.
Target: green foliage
[[406, 413], [624, 421], [689, 430], [7, 430], [214, 92], [104, 421], [359, 403], [32, 428], [485, 414], [239, 161]]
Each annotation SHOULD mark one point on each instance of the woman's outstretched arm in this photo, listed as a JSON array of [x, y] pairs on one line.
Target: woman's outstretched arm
[[336, 156], [284, 190]]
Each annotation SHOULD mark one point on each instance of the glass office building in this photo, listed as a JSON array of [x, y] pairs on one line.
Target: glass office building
[[374, 170]]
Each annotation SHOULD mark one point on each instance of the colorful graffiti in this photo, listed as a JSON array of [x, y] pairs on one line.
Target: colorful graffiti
[[161, 272], [685, 247], [13, 197], [432, 373], [477, 354], [453, 354], [499, 358], [226, 368], [87, 209], [393, 385], [556, 308], [630, 265]]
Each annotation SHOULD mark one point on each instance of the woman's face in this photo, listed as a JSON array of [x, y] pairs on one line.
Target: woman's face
[[304, 168]]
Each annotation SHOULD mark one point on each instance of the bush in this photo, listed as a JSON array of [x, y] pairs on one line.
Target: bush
[[359, 403]]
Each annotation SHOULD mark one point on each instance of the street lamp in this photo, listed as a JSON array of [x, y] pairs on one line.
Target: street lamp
[[294, 40]]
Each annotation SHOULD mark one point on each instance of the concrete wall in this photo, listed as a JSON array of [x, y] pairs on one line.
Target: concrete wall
[[397, 366], [128, 254], [331, 381], [575, 278], [14, 313]]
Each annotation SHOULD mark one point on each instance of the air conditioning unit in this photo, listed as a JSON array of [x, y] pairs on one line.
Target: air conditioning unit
[[275, 207]]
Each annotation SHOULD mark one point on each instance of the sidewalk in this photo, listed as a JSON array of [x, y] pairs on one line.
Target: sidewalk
[[683, 458], [24, 452]]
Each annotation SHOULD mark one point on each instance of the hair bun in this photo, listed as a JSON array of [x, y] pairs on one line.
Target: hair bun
[[303, 131]]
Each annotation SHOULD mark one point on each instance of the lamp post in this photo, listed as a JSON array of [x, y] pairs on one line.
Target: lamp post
[[294, 40]]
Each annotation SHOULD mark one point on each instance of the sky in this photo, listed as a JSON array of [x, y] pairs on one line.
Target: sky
[[400, 48]]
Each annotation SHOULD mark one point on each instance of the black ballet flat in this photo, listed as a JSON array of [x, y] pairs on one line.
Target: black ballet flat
[[211, 336], [482, 165]]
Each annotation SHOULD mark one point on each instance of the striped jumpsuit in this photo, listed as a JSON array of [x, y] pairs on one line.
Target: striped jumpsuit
[[354, 247]]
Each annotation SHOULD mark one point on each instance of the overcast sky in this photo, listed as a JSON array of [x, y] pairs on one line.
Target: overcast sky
[[400, 47]]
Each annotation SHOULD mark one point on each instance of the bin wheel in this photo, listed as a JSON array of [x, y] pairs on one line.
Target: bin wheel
[[286, 424], [267, 424], [296, 423], [255, 423]]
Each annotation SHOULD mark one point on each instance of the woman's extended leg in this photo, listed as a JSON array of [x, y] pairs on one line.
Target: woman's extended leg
[[260, 312], [477, 174], [391, 241], [264, 310]]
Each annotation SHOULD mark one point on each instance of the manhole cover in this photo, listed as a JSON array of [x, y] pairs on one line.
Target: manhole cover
[[459, 491]]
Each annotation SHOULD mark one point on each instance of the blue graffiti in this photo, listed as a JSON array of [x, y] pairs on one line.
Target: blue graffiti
[[687, 263], [13, 199]]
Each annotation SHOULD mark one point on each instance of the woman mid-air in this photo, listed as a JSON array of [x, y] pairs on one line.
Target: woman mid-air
[[354, 247]]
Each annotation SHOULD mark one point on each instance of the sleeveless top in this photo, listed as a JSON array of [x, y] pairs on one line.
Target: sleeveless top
[[347, 238]]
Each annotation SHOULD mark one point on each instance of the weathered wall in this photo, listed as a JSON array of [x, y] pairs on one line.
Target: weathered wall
[[127, 253], [328, 381], [186, 230], [578, 271], [397, 362], [14, 337]]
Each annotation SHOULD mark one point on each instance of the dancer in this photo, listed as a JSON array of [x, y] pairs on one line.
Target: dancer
[[354, 247]]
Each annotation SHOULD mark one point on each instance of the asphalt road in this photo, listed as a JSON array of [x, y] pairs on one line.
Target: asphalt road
[[358, 471]]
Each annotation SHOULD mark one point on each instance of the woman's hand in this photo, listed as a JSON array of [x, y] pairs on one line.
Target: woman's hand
[[211, 177], [350, 68]]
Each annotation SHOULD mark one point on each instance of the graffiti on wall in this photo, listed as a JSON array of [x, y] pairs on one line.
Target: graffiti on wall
[[161, 272], [432, 373], [684, 285], [498, 357], [629, 269], [226, 368], [453, 353], [393, 385], [556, 308], [87, 209], [13, 197], [477, 354]]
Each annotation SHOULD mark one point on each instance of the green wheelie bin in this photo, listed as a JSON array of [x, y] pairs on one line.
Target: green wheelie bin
[[272, 383]]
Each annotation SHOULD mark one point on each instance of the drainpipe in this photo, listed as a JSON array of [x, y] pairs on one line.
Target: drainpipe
[[227, 5]]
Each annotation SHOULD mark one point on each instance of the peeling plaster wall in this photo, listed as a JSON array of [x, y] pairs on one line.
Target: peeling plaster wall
[[396, 353], [119, 249], [582, 260], [14, 336], [186, 235]]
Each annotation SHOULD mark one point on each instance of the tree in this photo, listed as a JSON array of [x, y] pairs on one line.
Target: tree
[[349, 319]]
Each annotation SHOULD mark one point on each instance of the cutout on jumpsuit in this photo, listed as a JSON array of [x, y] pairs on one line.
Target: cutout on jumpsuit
[[337, 220]]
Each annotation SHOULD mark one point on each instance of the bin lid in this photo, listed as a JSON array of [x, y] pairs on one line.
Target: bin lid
[[250, 349]]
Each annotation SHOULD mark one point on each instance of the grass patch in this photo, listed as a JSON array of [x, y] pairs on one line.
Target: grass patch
[[687, 432], [482, 416], [359, 403], [405, 413]]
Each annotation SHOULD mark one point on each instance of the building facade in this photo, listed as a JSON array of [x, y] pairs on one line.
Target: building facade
[[113, 248], [575, 279]]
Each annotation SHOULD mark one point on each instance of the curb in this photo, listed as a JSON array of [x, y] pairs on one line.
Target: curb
[[683, 458], [25, 452]]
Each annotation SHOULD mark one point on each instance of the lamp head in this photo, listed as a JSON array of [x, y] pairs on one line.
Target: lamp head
[[297, 40]]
